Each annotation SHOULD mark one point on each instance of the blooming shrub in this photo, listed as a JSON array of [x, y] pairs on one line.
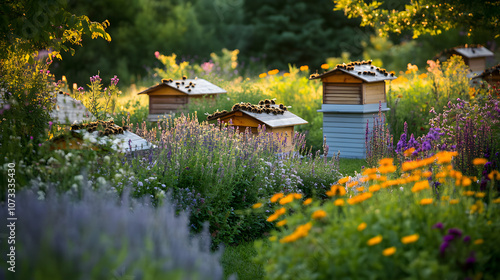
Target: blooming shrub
[[394, 227], [105, 237], [227, 171]]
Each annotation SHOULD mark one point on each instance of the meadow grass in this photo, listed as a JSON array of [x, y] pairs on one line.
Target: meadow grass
[[238, 260]]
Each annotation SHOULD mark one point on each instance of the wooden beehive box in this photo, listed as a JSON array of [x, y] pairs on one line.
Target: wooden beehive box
[[473, 55], [490, 75], [69, 110], [352, 94], [276, 118], [172, 96]]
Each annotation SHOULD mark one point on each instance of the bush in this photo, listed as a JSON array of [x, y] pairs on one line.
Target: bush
[[216, 172], [102, 237], [388, 227]]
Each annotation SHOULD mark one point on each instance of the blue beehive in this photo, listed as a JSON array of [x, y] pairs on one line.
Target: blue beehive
[[351, 96]]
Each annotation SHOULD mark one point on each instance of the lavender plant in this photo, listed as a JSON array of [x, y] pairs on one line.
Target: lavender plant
[[102, 237], [378, 141]]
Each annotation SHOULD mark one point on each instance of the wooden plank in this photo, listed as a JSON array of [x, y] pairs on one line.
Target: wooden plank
[[166, 90], [165, 106], [477, 64], [168, 99], [163, 111], [341, 78], [354, 131], [348, 144], [342, 94], [345, 124], [241, 121], [342, 90]]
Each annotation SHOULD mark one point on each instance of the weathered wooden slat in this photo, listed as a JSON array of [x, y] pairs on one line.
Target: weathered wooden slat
[[165, 106], [167, 99], [342, 90], [360, 132]]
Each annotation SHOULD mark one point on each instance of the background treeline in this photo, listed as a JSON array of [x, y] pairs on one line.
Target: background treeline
[[270, 34]]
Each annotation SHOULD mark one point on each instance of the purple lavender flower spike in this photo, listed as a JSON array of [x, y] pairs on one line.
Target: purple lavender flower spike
[[455, 231], [438, 225]]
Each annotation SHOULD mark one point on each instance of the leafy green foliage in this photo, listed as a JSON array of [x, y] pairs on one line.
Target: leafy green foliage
[[423, 17]]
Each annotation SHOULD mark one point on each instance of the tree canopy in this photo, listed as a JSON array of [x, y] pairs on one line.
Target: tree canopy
[[424, 16], [28, 26]]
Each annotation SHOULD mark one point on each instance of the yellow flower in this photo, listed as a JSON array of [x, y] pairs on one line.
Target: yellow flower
[[344, 180], [276, 214], [301, 231], [480, 194], [263, 75], [304, 68], [386, 161], [273, 72], [497, 200], [426, 201], [339, 202], [478, 241], [273, 238], [419, 186], [389, 251], [409, 152], [336, 190], [469, 193], [308, 201], [297, 195], [384, 169], [375, 240], [325, 66], [359, 198], [479, 161], [454, 201], [494, 174], [281, 223], [257, 205], [277, 196], [352, 184], [445, 197], [410, 238], [287, 199], [361, 226], [374, 188], [318, 214], [369, 171], [361, 189]]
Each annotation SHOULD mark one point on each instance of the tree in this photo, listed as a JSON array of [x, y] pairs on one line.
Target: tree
[[424, 16], [27, 26]]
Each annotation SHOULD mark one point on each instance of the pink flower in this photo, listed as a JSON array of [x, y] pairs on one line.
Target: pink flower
[[207, 67], [157, 54]]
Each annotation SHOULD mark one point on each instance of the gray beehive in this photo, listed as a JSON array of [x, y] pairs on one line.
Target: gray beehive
[[351, 96]]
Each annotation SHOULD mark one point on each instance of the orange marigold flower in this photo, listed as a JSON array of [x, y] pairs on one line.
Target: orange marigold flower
[[281, 223], [352, 184], [392, 183], [445, 156], [273, 217], [287, 199], [469, 193], [325, 66], [419, 186], [359, 198], [382, 178], [318, 214], [344, 180], [297, 195], [480, 194], [389, 251], [263, 75], [304, 68], [494, 174], [277, 196], [386, 161], [410, 239], [387, 169], [369, 171], [286, 75], [466, 181], [301, 231], [409, 152], [496, 200], [281, 211], [364, 179], [454, 201], [361, 189], [478, 241], [308, 201], [409, 165], [361, 226], [479, 161], [374, 241], [273, 72], [427, 173], [426, 201], [374, 188], [336, 190], [257, 205], [441, 174], [339, 202]]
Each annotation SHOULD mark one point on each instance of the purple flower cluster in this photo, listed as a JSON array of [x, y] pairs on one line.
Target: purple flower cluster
[[95, 79], [114, 80]]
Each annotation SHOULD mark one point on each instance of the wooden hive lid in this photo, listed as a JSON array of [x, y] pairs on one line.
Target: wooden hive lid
[[495, 70], [274, 119], [201, 87], [363, 70]]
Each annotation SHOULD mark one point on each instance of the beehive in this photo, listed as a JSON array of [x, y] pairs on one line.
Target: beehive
[[275, 117], [172, 96], [351, 96], [473, 55]]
